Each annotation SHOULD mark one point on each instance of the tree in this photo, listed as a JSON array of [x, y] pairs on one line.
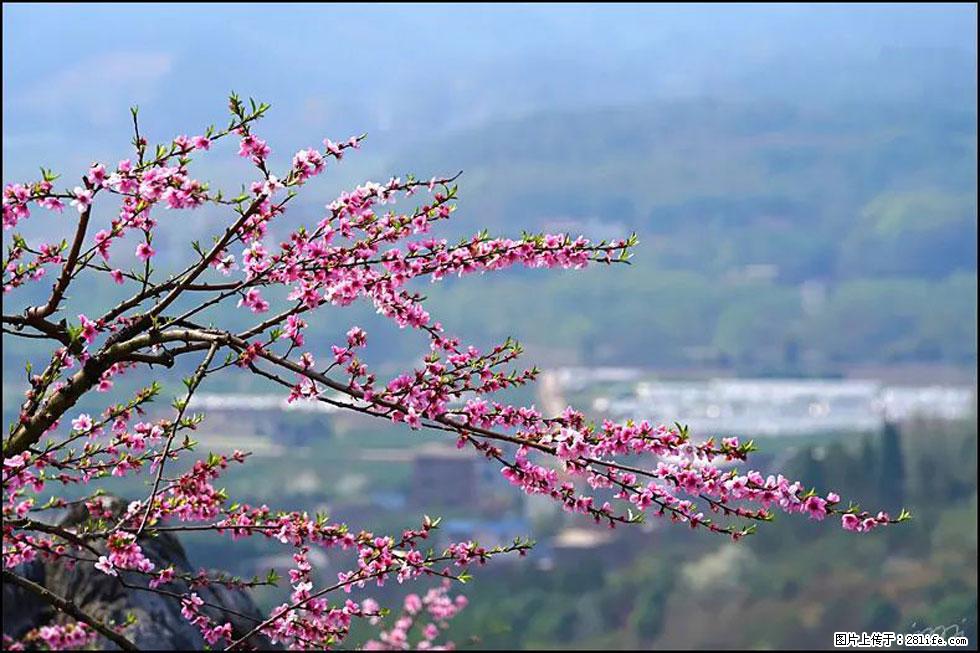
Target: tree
[[167, 318], [891, 469]]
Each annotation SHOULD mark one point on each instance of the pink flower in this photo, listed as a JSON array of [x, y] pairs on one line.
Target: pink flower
[[105, 566], [816, 507], [333, 148], [58, 637], [356, 337], [52, 204], [412, 419], [413, 603], [307, 163], [225, 264], [89, 330], [117, 276], [144, 251], [164, 577], [253, 299], [83, 199], [294, 329], [255, 148], [213, 635], [96, 175], [189, 606]]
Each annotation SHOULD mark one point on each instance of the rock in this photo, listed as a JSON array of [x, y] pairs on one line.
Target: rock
[[159, 624]]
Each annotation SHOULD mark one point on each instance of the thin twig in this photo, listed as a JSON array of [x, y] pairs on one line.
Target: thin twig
[[69, 608]]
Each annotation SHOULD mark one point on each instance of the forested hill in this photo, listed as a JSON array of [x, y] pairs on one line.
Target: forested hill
[[865, 190], [773, 236]]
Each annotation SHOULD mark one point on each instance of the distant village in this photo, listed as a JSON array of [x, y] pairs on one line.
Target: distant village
[[476, 504]]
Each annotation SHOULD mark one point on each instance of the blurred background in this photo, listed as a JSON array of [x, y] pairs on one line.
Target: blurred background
[[803, 182]]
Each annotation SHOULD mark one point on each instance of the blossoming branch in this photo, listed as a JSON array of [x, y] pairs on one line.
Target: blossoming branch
[[360, 248]]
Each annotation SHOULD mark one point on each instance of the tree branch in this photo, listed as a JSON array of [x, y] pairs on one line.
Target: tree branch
[[69, 608], [58, 290]]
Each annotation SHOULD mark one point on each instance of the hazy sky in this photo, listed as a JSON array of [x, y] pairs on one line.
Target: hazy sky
[[71, 71]]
